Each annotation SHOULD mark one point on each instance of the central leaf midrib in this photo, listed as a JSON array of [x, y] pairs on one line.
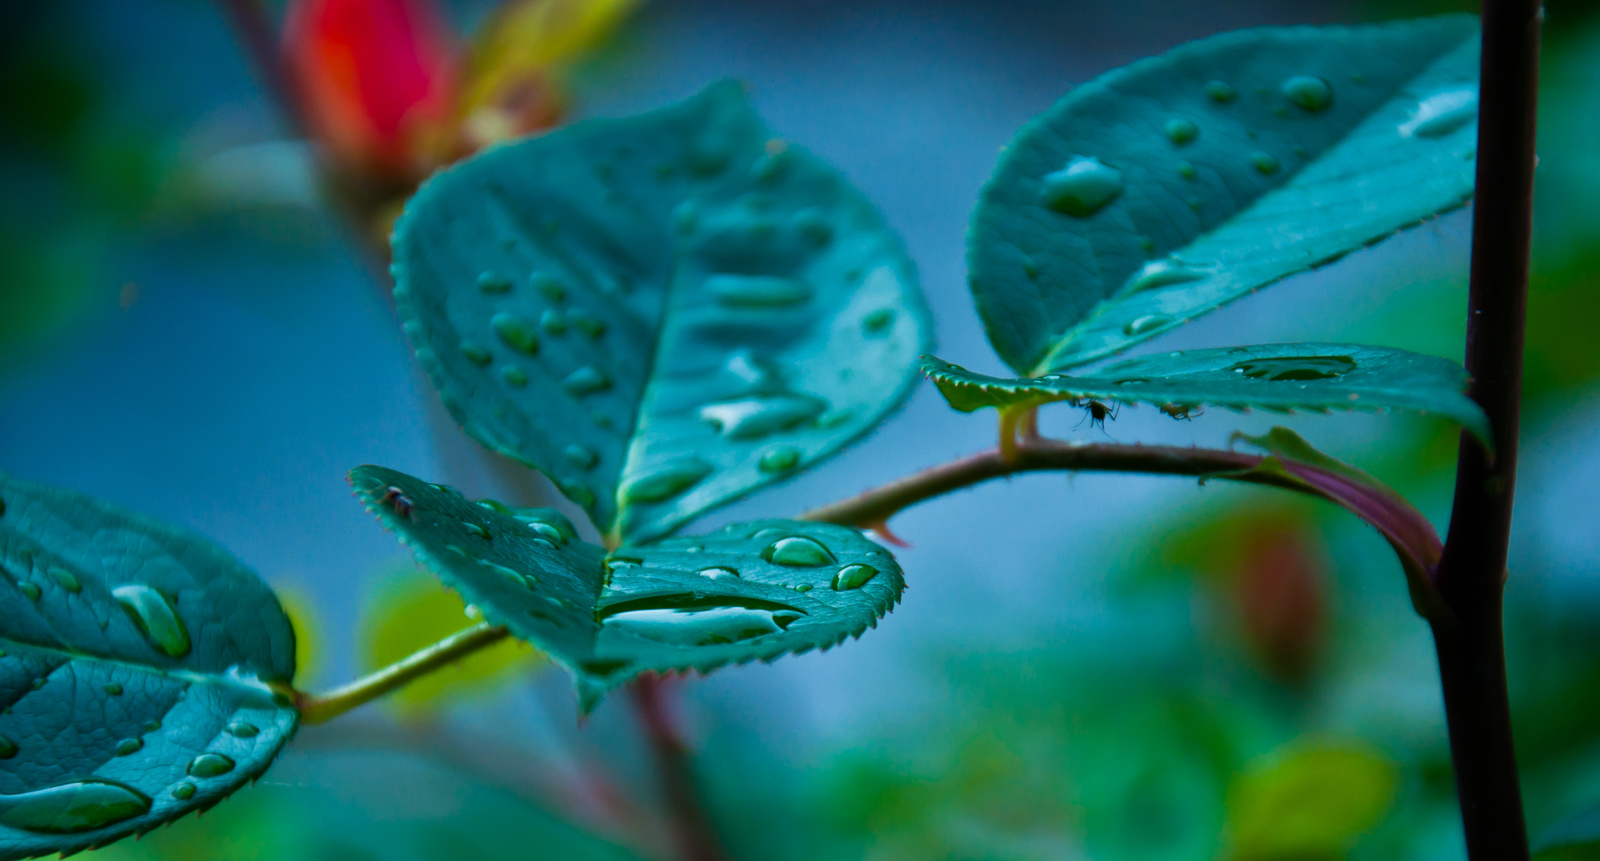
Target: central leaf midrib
[[177, 674]]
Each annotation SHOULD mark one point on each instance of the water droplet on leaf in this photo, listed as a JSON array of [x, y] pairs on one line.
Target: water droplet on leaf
[[129, 746], [1162, 273], [664, 481], [1220, 92], [1147, 323], [67, 808], [553, 321], [1082, 187], [753, 418], [548, 286], [1264, 162], [66, 580], [580, 456], [31, 590], [718, 573], [493, 282], [514, 376], [780, 459], [797, 551], [1313, 94], [757, 291], [585, 380], [1181, 131], [242, 729], [210, 765], [183, 791], [853, 577], [476, 353], [1442, 113], [155, 617], [1296, 368], [515, 331]]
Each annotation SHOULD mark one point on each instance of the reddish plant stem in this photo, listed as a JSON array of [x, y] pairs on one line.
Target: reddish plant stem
[[1035, 454], [693, 832], [1471, 573]]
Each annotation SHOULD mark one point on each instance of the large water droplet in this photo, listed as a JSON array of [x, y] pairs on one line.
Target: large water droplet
[[853, 577], [1442, 113], [516, 331], [753, 418], [210, 765], [494, 282], [780, 459], [1313, 94], [155, 617], [183, 791], [1162, 273], [797, 551], [1293, 368], [757, 291], [1221, 92], [1265, 162], [1147, 323], [1181, 131], [68, 808], [585, 380], [664, 481], [698, 620], [1082, 187]]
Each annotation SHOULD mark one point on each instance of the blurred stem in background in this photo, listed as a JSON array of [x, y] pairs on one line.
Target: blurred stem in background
[[1472, 572]]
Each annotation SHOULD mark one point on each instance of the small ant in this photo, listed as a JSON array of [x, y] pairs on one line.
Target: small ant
[[1182, 412], [1098, 412], [396, 498]]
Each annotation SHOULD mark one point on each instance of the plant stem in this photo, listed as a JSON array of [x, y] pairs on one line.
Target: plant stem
[[696, 836], [1471, 573], [317, 708], [876, 506]]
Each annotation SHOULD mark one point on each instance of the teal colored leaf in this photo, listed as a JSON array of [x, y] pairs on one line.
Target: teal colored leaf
[[1278, 377], [1159, 191], [748, 591], [140, 671], [1576, 838], [661, 312]]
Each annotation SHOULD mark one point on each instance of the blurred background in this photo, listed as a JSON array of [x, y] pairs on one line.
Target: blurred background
[[193, 324]]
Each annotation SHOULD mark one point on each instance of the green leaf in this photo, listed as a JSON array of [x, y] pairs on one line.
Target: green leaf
[[1310, 802], [1164, 189], [661, 312], [1576, 838], [748, 591], [1278, 377], [140, 672]]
